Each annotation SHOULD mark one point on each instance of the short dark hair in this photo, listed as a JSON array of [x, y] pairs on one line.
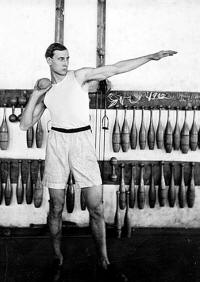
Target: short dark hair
[[53, 47]]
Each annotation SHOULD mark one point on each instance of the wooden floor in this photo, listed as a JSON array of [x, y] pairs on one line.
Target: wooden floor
[[151, 255]]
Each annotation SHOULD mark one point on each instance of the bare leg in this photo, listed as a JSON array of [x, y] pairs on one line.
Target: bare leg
[[57, 198], [93, 198]]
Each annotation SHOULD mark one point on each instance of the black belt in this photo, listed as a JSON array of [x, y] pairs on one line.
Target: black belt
[[72, 130]]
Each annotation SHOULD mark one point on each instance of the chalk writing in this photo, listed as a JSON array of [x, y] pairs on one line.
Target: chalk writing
[[156, 96], [152, 98]]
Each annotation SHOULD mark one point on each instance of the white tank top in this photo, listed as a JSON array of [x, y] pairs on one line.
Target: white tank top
[[68, 103]]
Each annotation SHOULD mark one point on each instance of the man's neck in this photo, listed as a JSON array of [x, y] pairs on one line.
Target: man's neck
[[55, 78]]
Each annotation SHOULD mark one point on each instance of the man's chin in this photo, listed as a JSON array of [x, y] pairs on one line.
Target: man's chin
[[63, 73]]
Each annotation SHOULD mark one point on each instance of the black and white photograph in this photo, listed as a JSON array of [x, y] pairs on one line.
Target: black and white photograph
[[100, 141]]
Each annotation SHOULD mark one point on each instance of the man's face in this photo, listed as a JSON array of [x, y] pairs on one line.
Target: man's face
[[59, 63]]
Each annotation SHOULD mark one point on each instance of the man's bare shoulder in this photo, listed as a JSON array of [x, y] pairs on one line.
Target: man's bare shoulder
[[81, 74]]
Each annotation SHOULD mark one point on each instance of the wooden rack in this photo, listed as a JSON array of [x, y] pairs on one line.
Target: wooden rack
[[130, 99], [106, 171]]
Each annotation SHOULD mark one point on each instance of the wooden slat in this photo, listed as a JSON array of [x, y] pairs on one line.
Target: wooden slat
[[59, 21], [138, 99], [154, 99], [101, 30], [106, 171], [14, 169]]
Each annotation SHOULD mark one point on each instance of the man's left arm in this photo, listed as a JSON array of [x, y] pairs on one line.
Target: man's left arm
[[104, 72]]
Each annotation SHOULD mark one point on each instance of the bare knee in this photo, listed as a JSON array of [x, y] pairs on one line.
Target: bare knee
[[56, 208], [96, 212], [57, 199]]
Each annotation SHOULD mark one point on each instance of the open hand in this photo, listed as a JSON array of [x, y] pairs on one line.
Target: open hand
[[162, 54]]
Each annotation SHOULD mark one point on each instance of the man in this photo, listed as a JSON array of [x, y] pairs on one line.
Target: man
[[69, 144]]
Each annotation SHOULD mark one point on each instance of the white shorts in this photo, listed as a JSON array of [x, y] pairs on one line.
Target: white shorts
[[71, 151]]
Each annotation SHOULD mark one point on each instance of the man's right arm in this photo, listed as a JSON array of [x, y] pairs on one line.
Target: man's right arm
[[33, 110]]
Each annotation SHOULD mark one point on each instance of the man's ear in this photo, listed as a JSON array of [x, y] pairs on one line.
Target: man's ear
[[49, 61]]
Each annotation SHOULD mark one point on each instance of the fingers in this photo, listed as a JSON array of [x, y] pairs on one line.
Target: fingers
[[169, 53], [43, 91], [162, 54], [173, 53], [36, 84]]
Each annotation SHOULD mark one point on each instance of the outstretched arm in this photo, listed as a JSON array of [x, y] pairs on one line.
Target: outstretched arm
[[101, 73]]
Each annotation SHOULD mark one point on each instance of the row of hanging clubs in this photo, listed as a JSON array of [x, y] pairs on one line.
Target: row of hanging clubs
[[127, 198], [170, 138], [31, 191], [31, 135]]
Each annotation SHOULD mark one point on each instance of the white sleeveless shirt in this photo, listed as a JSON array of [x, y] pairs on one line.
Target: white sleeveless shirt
[[68, 103]]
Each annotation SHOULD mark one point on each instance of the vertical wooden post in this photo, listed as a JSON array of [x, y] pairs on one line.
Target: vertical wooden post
[[59, 21], [101, 28]]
